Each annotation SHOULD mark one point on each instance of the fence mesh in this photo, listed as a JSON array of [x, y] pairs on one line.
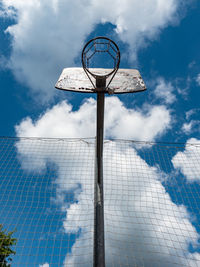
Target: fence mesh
[[151, 202]]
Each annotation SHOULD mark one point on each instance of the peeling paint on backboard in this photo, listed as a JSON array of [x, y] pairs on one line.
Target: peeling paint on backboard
[[125, 81]]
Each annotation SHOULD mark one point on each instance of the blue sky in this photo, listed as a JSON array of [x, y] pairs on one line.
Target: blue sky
[[38, 38]]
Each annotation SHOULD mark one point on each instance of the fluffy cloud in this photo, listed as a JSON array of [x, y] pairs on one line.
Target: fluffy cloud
[[192, 123], [120, 122], [187, 161], [74, 160], [165, 91], [48, 34], [187, 127], [142, 224], [192, 126], [44, 265], [140, 218], [191, 112]]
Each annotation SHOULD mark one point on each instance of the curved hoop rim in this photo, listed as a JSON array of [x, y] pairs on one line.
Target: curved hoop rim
[[114, 69]]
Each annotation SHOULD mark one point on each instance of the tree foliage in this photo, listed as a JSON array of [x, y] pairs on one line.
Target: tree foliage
[[6, 243]]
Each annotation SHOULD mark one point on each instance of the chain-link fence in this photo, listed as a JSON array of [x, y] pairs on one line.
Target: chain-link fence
[[151, 202]]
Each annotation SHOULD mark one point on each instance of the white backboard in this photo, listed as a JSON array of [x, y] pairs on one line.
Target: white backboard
[[125, 81]]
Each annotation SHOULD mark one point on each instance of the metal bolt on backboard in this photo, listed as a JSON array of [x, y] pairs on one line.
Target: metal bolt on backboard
[[100, 80]]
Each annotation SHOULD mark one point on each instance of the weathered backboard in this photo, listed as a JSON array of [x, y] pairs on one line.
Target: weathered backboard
[[125, 81]]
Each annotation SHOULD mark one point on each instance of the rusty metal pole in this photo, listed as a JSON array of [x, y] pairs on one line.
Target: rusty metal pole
[[99, 243]]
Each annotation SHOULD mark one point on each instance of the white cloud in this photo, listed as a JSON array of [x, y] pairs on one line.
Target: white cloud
[[75, 174], [191, 112], [140, 218], [198, 79], [142, 224], [165, 91], [187, 127], [44, 265], [188, 160], [191, 127], [49, 34], [120, 122]]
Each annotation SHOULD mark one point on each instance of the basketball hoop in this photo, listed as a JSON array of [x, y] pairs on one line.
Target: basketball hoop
[[98, 51], [106, 49]]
